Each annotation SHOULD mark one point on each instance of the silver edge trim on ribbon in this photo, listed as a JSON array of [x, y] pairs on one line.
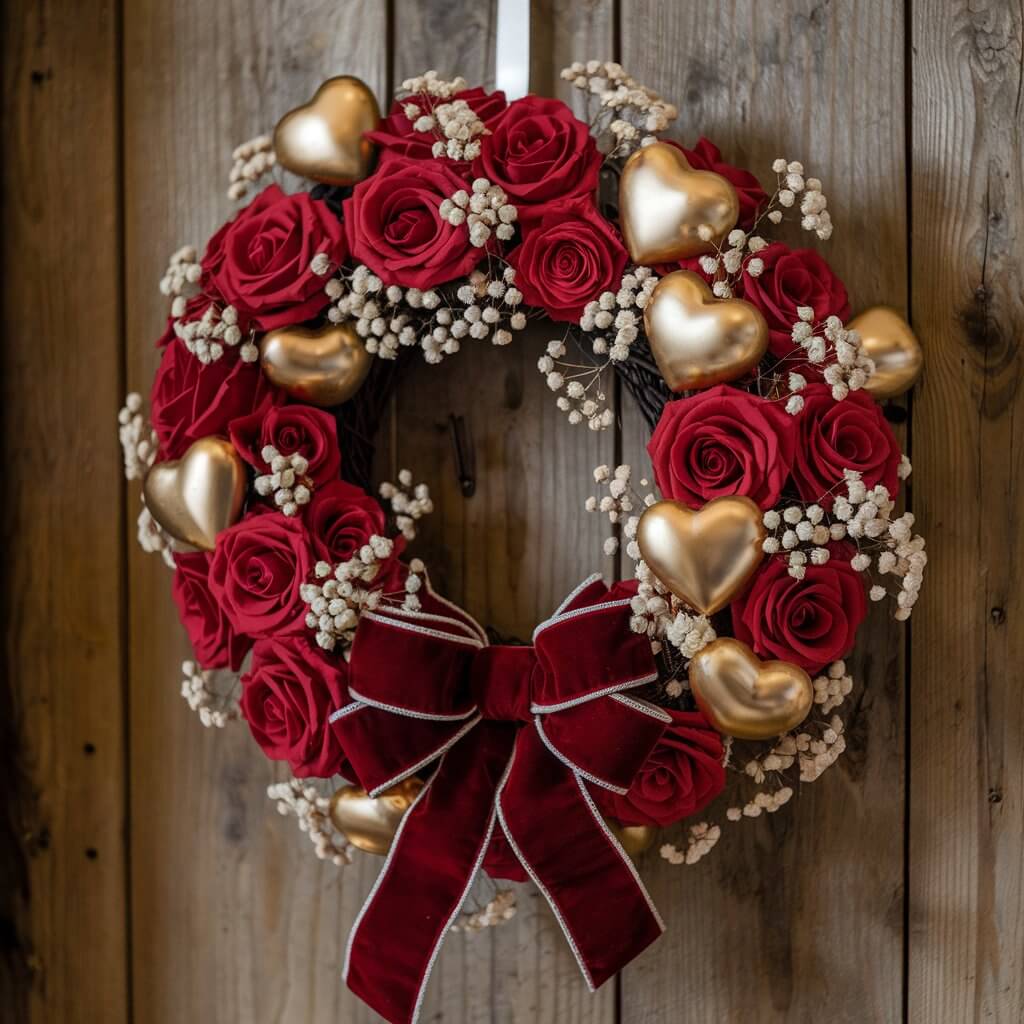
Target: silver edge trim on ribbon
[[575, 769], [425, 716], [396, 623], [547, 709]]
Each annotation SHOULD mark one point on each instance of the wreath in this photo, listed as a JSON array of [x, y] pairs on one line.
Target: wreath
[[771, 525]]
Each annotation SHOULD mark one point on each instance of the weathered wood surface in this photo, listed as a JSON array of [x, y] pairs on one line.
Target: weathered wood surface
[[883, 893]]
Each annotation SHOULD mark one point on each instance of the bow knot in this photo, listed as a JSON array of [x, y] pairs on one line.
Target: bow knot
[[517, 734]]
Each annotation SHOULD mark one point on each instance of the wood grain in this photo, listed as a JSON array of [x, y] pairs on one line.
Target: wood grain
[[796, 917], [234, 919], [966, 869]]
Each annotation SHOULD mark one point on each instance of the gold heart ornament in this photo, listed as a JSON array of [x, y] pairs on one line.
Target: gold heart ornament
[[887, 339], [698, 340], [745, 697], [706, 557], [195, 497], [370, 822], [663, 203], [323, 366], [634, 839], [324, 139]]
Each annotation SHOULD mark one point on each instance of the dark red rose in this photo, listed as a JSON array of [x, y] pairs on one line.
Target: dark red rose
[[792, 278], [395, 227], [258, 566], [722, 441], [341, 518], [809, 622], [288, 695], [311, 432], [567, 258], [833, 436], [539, 153], [214, 642], [191, 399], [259, 262], [395, 136], [681, 776], [706, 156]]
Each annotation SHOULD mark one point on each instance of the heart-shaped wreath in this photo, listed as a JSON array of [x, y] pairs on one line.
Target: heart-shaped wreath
[[458, 218]]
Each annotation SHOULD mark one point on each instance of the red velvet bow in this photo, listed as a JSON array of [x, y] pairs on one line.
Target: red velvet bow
[[520, 733]]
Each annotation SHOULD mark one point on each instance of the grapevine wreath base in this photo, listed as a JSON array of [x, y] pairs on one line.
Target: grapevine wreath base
[[456, 219]]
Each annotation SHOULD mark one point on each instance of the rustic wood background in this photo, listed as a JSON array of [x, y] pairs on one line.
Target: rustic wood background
[[145, 877]]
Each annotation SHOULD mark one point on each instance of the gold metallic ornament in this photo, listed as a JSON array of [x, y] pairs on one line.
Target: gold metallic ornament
[[663, 203], [634, 839], [370, 823], [698, 340], [887, 338], [323, 366], [745, 697], [195, 497], [324, 139], [705, 557]]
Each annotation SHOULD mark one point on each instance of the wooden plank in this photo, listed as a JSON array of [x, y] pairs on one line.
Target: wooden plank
[[234, 918], [62, 859], [515, 548], [966, 869], [797, 916]]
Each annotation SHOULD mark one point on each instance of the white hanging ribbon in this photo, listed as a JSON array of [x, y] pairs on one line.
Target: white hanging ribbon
[[512, 46]]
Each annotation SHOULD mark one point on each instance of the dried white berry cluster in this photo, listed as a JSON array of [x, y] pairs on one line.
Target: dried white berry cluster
[[312, 810], [390, 317], [336, 603], [792, 185], [137, 436], [629, 113], [409, 503], [431, 84], [215, 704], [832, 688], [701, 840], [622, 504], [726, 265], [800, 534], [215, 331], [847, 365], [455, 124], [152, 538], [762, 802], [484, 210], [497, 911], [614, 318], [584, 398], [286, 481], [250, 161], [181, 278]]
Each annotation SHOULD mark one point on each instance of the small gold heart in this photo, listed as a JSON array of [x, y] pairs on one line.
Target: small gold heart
[[706, 557], [634, 839], [324, 366], [370, 823], [698, 340], [663, 203], [195, 497], [887, 338], [744, 697], [324, 139]]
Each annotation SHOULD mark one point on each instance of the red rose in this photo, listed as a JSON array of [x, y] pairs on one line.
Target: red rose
[[191, 399], [259, 262], [792, 278], [809, 622], [288, 695], [258, 566], [722, 441], [681, 776], [833, 436], [539, 153], [396, 136], [395, 227], [214, 642], [311, 432], [341, 518], [706, 156], [567, 259]]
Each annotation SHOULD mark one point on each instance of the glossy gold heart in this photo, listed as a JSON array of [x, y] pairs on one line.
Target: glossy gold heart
[[698, 340], [889, 341], [663, 203], [195, 497], [324, 139], [370, 823], [323, 366], [745, 697], [705, 557], [634, 839]]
